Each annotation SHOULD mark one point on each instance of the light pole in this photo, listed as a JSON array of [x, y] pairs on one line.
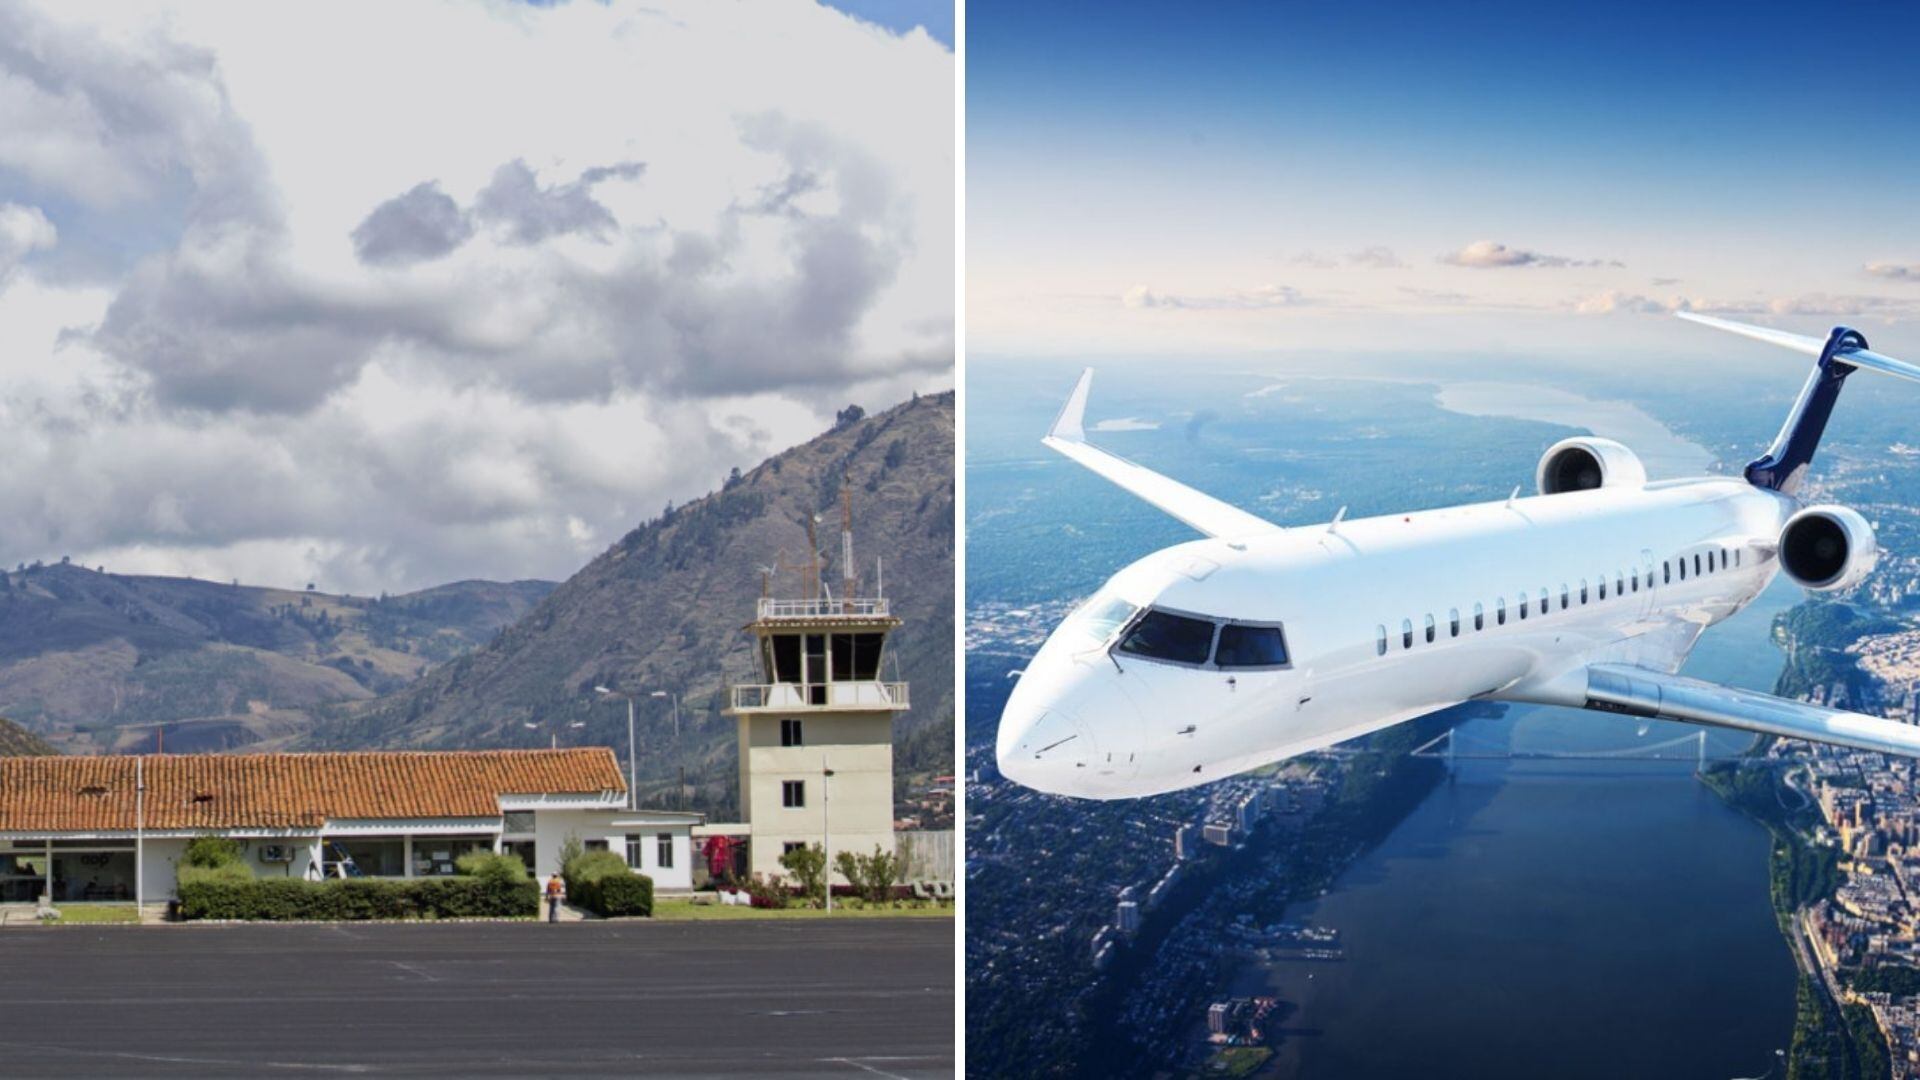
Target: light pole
[[633, 768], [826, 829], [676, 708]]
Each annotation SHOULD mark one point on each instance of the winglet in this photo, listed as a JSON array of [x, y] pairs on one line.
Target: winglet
[[1068, 425]]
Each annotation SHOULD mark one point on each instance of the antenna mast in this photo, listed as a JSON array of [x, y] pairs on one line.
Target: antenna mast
[[849, 581]]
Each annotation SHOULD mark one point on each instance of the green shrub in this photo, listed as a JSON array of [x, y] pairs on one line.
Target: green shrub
[[205, 895], [226, 873], [591, 866], [808, 865], [212, 851], [616, 895], [872, 876], [485, 864]]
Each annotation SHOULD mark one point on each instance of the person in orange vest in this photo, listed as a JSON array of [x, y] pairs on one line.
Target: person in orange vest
[[556, 892]]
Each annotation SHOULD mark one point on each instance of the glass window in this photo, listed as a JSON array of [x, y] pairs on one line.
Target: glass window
[[1406, 633], [1430, 630], [1098, 618], [1453, 622], [1250, 646], [1666, 572], [517, 821], [1161, 635], [436, 856], [1500, 610], [1523, 603], [1479, 616], [1636, 582], [856, 657], [790, 734], [1683, 567], [1544, 605], [1380, 645], [1566, 599], [1696, 564], [378, 858], [1736, 556], [663, 850], [1619, 584], [1603, 587], [793, 794], [1583, 590], [636, 849], [786, 658]]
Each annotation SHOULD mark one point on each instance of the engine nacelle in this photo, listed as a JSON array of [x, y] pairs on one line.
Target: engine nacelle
[[1827, 548], [1585, 462]]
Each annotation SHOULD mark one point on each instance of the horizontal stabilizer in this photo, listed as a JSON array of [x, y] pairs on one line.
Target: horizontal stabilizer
[[1196, 508], [1853, 357], [1634, 691]]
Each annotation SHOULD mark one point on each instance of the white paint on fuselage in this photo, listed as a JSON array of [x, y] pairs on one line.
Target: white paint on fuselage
[[1084, 720]]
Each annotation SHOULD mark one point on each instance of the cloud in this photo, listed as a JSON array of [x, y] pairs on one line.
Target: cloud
[[1315, 260], [1375, 258], [1614, 300], [1894, 271], [530, 212], [380, 332], [23, 231], [423, 223], [1486, 255], [1265, 296]]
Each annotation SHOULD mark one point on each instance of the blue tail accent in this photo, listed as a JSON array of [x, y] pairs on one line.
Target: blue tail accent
[[1785, 463]]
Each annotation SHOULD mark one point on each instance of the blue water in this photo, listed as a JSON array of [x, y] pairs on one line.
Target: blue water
[[1566, 919]]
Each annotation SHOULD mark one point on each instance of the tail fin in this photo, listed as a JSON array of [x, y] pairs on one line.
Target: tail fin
[[1785, 463]]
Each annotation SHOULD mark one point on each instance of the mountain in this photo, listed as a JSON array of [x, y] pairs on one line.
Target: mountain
[[94, 661], [16, 741], [662, 610]]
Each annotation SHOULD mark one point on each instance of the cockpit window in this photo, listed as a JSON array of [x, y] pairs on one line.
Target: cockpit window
[[1160, 635], [1099, 617], [1250, 646]]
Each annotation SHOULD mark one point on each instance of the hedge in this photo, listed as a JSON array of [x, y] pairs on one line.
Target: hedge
[[617, 895], [290, 899]]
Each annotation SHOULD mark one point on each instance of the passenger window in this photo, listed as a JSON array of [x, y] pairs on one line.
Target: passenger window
[[1544, 608], [1736, 556], [1603, 588], [1565, 599], [1406, 633], [1500, 610], [1636, 582], [1479, 616], [1583, 590], [1696, 564], [1523, 603], [1666, 572], [1380, 645], [1453, 622], [1619, 585], [1250, 646], [1161, 635], [1429, 629]]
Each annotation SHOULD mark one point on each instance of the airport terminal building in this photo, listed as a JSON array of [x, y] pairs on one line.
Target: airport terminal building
[[114, 828]]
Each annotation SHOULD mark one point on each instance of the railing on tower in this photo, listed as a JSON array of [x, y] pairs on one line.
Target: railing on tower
[[869, 607], [837, 695]]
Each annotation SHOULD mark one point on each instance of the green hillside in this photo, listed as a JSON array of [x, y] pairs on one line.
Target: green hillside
[[16, 741], [95, 661]]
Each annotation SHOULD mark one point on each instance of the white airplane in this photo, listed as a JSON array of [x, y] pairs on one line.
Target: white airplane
[[1260, 642]]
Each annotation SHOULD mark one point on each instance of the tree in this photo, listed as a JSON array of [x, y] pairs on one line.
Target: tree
[[808, 865], [571, 849], [852, 414], [872, 876]]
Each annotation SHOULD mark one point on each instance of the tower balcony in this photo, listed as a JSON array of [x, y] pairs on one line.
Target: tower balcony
[[871, 607], [858, 696]]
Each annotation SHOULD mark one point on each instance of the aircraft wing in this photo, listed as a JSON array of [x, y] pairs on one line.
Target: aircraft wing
[[1860, 357], [1636, 691], [1195, 508]]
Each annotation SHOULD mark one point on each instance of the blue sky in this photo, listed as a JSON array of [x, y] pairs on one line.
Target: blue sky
[[1308, 172], [901, 16]]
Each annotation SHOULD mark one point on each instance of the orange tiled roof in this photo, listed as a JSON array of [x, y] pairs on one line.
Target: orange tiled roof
[[215, 791]]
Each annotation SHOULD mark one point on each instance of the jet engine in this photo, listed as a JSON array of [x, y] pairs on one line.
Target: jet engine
[[1827, 548], [1586, 462]]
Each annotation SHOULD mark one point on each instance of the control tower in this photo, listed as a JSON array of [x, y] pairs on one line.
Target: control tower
[[816, 732]]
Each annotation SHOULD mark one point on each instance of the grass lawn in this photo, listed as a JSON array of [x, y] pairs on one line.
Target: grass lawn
[[1236, 1061], [87, 914], [674, 908]]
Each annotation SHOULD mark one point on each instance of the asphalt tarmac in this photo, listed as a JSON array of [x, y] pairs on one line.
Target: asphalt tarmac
[[853, 998]]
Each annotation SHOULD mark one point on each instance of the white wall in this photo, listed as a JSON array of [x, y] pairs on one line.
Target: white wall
[[551, 828], [157, 871]]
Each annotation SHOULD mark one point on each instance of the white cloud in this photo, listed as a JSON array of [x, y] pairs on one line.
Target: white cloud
[[1487, 255], [1264, 296], [1894, 271], [471, 295]]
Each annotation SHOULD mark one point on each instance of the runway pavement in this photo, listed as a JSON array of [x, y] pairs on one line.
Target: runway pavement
[[859, 998]]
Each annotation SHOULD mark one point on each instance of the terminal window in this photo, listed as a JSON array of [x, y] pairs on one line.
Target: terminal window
[[793, 793], [790, 733], [663, 853]]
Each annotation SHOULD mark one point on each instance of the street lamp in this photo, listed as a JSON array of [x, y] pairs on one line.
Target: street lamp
[[826, 830], [633, 768], [676, 708]]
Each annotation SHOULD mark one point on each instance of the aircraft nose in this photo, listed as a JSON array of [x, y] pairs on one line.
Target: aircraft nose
[[1047, 741]]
